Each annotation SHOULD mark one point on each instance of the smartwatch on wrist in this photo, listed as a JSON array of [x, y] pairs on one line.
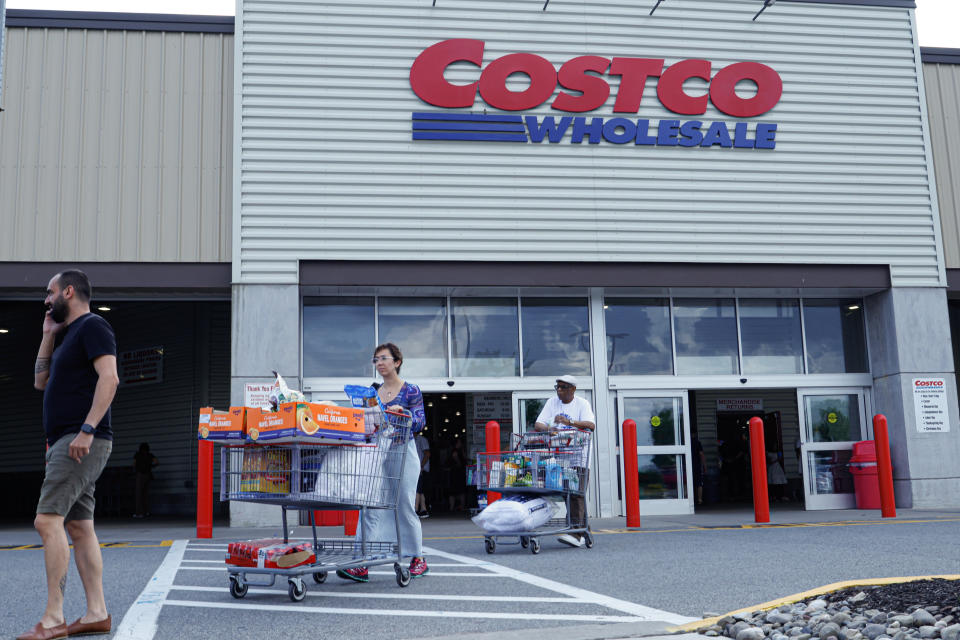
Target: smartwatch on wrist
[[88, 428]]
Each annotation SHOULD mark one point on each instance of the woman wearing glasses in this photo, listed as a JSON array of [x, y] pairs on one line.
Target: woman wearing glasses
[[378, 524]]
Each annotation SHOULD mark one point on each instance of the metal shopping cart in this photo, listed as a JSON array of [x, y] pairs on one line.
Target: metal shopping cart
[[543, 464], [306, 477]]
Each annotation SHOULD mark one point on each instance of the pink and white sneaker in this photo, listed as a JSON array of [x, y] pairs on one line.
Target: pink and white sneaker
[[418, 567]]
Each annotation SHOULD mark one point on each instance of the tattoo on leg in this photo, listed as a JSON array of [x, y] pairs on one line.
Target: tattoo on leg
[[63, 584], [42, 364]]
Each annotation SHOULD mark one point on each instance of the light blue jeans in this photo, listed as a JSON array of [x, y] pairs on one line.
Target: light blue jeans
[[378, 524]]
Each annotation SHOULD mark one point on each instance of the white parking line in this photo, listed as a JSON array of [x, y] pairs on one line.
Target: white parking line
[[402, 613], [394, 595], [641, 612], [140, 621], [437, 574]]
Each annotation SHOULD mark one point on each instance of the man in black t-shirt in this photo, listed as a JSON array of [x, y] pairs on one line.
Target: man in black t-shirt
[[79, 380]]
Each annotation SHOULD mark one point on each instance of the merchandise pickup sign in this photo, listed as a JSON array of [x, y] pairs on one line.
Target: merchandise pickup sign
[[930, 405], [142, 366]]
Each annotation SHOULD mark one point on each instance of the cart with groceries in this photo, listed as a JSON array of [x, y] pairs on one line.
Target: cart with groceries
[[537, 479], [306, 456]]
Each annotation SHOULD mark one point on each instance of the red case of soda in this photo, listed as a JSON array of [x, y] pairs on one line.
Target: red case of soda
[[268, 552]]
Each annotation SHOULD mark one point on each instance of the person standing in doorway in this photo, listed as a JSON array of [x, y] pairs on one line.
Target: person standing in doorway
[[423, 483], [378, 524], [79, 380], [566, 410], [699, 466], [143, 464]]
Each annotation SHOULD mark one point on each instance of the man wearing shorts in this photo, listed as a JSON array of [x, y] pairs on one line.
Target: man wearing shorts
[[78, 379]]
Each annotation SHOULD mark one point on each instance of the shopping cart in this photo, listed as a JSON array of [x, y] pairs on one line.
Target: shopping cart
[[304, 477], [555, 463]]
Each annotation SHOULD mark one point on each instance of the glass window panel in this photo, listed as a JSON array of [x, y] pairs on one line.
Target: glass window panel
[[706, 336], [835, 336], [419, 327], [486, 337], [658, 420], [771, 337], [660, 477], [830, 472], [530, 408], [833, 418], [638, 336], [338, 337], [556, 336]]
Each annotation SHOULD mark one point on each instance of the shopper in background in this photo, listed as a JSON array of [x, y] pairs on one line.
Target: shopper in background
[[566, 410], [143, 464], [377, 524], [79, 380], [458, 476], [423, 483]]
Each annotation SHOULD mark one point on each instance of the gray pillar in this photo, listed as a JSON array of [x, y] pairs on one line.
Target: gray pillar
[[909, 332], [266, 337]]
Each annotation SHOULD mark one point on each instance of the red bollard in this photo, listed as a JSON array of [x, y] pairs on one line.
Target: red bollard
[[881, 439], [758, 461], [493, 446], [631, 493], [205, 489]]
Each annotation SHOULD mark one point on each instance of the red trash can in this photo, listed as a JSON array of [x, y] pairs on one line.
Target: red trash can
[[863, 468]]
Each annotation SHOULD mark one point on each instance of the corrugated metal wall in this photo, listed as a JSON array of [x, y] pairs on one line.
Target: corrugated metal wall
[[327, 151], [942, 84], [116, 146]]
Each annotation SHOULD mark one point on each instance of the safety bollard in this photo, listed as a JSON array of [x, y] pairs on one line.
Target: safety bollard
[[881, 439], [631, 493], [758, 461], [493, 446], [205, 489]]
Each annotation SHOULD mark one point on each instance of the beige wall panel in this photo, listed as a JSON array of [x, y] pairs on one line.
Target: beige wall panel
[[942, 83], [115, 146]]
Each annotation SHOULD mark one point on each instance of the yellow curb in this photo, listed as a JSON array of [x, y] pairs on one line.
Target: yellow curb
[[803, 595]]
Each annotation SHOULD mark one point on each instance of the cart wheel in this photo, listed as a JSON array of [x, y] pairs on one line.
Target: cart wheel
[[296, 589], [320, 577], [534, 546], [403, 574], [524, 541], [588, 540], [238, 589], [490, 545]]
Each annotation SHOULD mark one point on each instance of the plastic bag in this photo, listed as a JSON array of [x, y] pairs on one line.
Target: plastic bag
[[281, 393], [361, 396], [514, 513]]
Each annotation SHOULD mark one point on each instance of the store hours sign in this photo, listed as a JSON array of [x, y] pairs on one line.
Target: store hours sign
[[583, 88], [930, 405]]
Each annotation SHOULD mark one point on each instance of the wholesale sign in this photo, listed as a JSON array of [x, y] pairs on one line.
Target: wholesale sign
[[583, 88], [930, 405]]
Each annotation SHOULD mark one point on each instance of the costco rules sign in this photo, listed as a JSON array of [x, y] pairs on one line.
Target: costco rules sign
[[930, 405]]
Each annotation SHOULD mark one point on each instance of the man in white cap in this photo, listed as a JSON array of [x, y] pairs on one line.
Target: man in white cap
[[566, 411]]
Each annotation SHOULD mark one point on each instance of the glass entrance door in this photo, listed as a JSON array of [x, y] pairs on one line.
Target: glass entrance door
[[663, 452], [832, 420]]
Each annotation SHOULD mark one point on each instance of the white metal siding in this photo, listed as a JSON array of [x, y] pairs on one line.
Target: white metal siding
[[116, 146], [942, 83], [330, 171]]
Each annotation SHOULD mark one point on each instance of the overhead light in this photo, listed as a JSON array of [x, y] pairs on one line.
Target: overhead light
[[429, 404], [606, 306], [458, 413], [4, 330], [446, 419], [104, 309], [444, 429], [463, 430], [853, 307], [443, 397]]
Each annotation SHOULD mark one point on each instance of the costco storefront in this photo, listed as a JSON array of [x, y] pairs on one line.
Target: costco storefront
[[700, 215]]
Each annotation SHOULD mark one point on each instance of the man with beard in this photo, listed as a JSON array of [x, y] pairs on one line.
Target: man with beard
[[79, 380]]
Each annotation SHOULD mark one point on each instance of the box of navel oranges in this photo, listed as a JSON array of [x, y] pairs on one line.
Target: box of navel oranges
[[308, 422], [222, 425]]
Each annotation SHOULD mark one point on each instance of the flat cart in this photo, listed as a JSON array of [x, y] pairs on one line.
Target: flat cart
[[307, 477], [547, 464]]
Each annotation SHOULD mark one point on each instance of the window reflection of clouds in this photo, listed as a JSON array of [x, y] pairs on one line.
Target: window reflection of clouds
[[771, 336], [338, 335], [835, 336], [485, 337], [556, 336], [638, 336], [706, 336], [418, 327]]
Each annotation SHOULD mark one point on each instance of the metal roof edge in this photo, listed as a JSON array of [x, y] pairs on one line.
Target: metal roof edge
[[942, 55], [40, 19], [904, 4]]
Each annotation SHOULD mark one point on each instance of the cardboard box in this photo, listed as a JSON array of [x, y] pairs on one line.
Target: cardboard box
[[308, 423], [222, 425], [265, 470]]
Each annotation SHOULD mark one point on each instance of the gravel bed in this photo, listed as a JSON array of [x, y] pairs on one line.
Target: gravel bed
[[922, 609]]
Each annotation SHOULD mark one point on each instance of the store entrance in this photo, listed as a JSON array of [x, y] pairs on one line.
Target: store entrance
[[450, 437], [720, 424]]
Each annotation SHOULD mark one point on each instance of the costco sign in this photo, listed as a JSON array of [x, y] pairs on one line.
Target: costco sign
[[583, 88]]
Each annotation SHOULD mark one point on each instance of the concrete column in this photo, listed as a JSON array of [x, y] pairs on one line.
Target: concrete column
[[909, 333], [266, 338]]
